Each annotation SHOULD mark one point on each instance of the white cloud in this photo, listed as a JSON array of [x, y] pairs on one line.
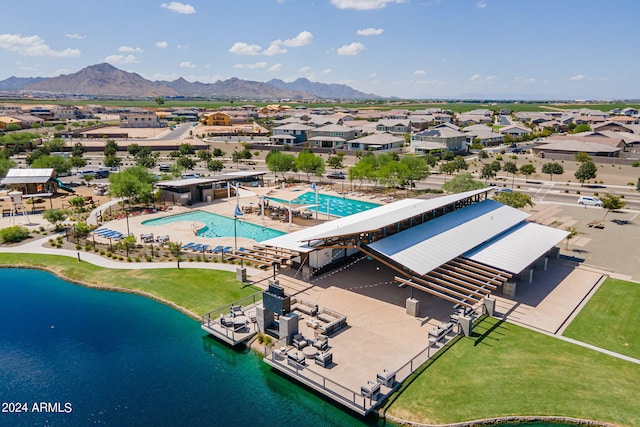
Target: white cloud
[[251, 66], [241, 48], [327, 71], [481, 4], [370, 32], [75, 36], [121, 59], [578, 77], [351, 49], [33, 46], [475, 77], [490, 78], [129, 49], [304, 38], [525, 80], [177, 7], [162, 45], [187, 64], [363, 4], [419, 72], [274, 49], [275, 68], [304, 69]]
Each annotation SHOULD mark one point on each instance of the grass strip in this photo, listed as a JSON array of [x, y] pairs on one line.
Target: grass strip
[[507, 370], [196, 290], [611, 318]]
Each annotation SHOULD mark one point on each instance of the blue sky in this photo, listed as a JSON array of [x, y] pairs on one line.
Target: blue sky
[[530, 49]]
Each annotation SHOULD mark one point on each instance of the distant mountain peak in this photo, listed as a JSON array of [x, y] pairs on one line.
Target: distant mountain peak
[[105, 80]]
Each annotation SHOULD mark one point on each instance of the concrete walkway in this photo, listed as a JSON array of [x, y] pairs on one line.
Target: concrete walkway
[[40, 246]]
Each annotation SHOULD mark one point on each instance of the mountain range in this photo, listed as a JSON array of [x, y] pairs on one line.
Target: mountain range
[[105, 81]]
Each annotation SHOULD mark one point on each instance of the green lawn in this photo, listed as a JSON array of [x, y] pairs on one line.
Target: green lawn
[[611, 318], [509, 370], [196, 290]]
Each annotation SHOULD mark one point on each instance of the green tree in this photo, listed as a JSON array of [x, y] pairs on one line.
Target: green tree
[[512, 168], [482, 154], [78, 162], [56, 145], [611, 202], [336, 162], [186, 162], [430, 159], [217, 152], [55, 216], [110, 148], [61, 165], [552, 168], [186, 149], [459, 163], [515, 200], [309, 163], [583, 157], [586, 171], [5, 165], [175, 249], [280, 163], [461, 183], [134, 184], [414, 169], [584, 127], [526, 170], [159, 100], [215, 166], [78, 150], [488, 171], [133, 149], [204, 155], [112, 161]]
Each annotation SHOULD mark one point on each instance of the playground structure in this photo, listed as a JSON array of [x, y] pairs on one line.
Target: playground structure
[[16, 206]]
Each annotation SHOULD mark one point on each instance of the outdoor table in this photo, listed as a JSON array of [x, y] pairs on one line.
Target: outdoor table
[[309, 352]]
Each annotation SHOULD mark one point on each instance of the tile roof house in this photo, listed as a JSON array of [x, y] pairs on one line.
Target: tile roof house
[[292, 133], [331, 136], [515, 130], [438, 138], [395, 126], [377, 142]]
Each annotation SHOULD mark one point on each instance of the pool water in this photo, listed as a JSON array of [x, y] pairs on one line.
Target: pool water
[[338, 206], [219, 226]]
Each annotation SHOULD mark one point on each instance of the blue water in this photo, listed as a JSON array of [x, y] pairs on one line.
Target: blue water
[[122, 360], [338, 206], [219, 226]]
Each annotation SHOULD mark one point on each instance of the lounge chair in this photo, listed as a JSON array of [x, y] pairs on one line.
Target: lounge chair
[[321, 342], [370, 390], [236, 310], [216, 249], [299, 342], [226, 249], [324, 359], [188, 245], [197, 247]]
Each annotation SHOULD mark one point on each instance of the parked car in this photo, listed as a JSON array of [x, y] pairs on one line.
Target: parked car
[[190, 175], [165, 168], [336, 175], [503, 190], [589, 201]]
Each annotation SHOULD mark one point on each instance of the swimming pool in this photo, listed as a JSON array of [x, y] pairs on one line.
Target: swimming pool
[[338, 206], [219, 226]]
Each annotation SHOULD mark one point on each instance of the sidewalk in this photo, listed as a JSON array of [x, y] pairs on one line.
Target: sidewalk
[[40, 246]]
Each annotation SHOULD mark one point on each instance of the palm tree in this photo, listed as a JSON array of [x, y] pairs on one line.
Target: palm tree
[[175, 248]]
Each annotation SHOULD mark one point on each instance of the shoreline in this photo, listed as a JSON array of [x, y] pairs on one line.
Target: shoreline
[[171, 304], [496, 421]]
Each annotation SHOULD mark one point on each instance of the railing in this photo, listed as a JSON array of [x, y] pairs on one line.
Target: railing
[[331, 388], [245, 302]]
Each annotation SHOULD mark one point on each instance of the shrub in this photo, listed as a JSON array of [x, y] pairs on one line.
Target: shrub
[[14, 234], [128, 259], [635, 164], [148, 258]]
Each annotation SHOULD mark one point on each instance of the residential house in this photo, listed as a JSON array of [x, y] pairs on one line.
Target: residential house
[[440, 138], [28, 121], [331, 136], [394, 126], [292, 133], [515, 130], [573, 147], [144, 119], [217, 118], [45, 113], [7, 121], [377, 142], [67, 112], [629, 111], [483, 134]]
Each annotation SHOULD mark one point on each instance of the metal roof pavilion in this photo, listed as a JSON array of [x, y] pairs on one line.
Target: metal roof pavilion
[[28, 176], [517, 248], [392, 213], [429, 245]]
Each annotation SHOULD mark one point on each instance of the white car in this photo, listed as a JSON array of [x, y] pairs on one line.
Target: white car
[[589, 201]]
